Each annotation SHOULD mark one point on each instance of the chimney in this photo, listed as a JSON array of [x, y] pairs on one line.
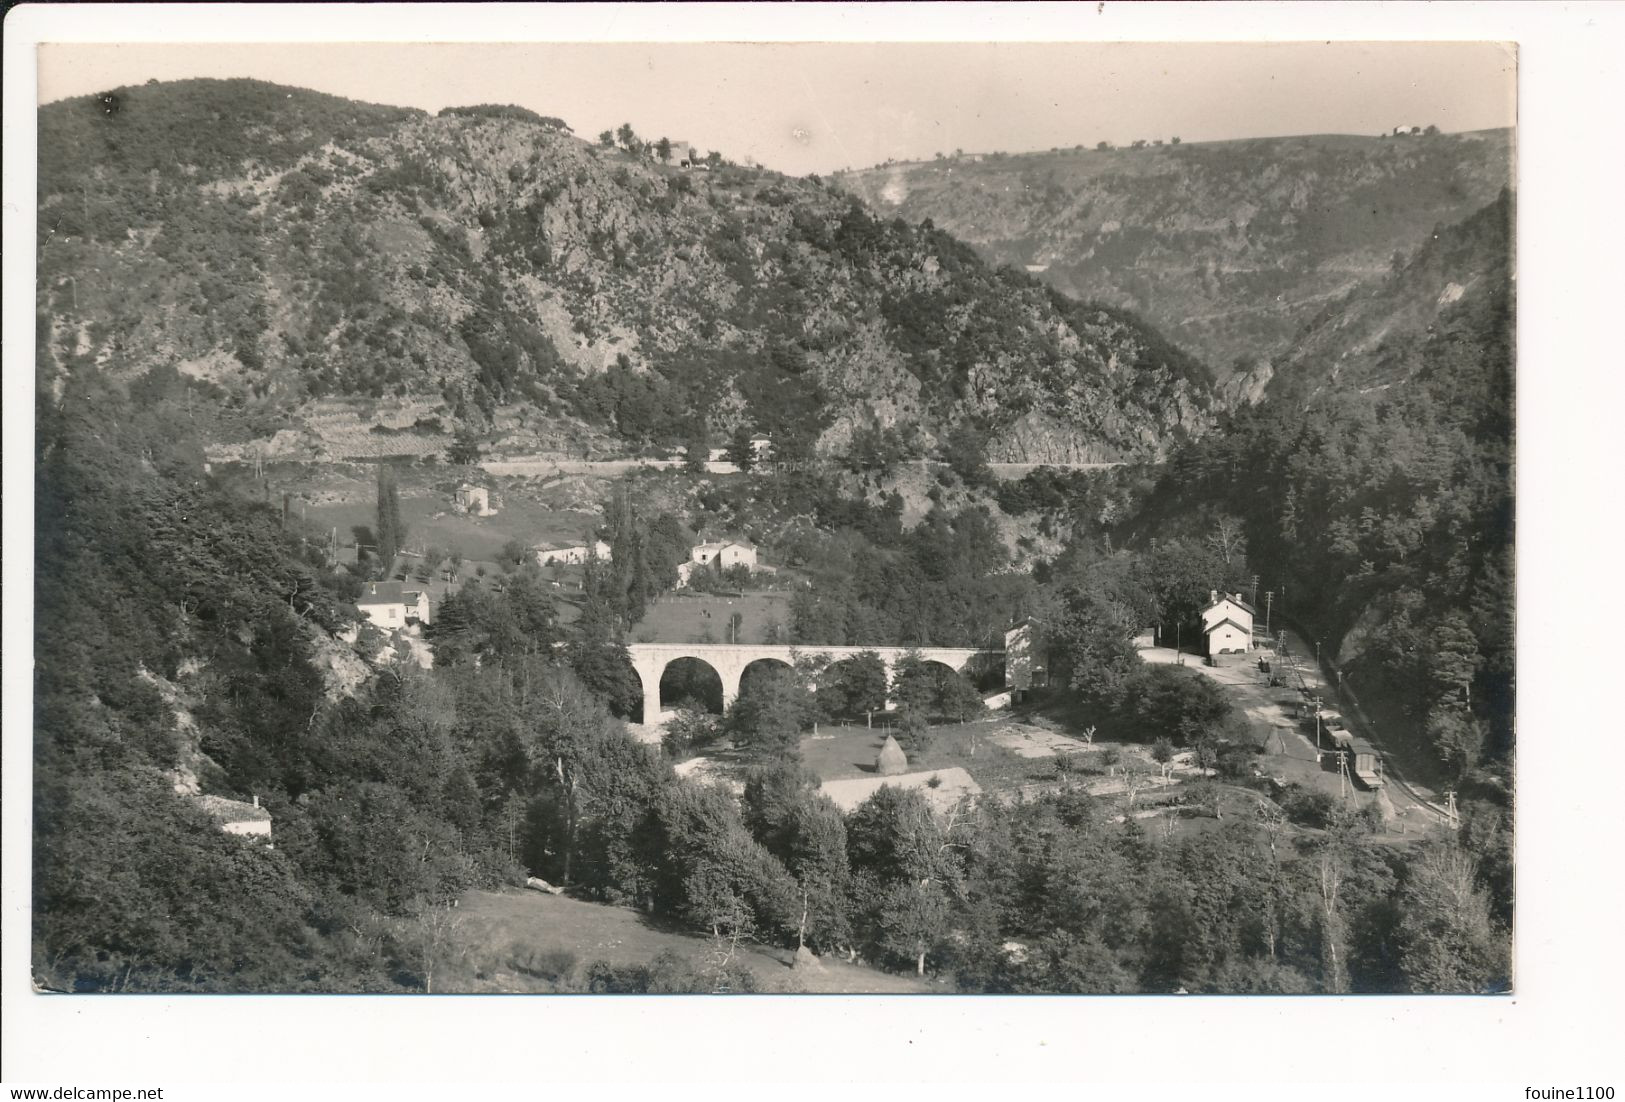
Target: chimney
[[256, 799], [1212, 596]]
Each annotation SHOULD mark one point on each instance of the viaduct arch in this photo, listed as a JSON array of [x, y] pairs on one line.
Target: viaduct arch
[[730, 659]]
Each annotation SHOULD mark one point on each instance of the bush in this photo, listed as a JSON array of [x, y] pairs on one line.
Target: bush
[[1307, 806]]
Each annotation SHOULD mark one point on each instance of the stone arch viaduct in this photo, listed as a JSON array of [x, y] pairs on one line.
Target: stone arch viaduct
[[730, 659]]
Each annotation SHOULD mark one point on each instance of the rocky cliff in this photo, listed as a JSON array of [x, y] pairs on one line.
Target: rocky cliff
[[291, 248]]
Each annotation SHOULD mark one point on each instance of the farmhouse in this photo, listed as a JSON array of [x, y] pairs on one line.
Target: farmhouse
[[719, 555], [1227, 623], [572, 554], [474, 500], [682, 154], [392, 605]]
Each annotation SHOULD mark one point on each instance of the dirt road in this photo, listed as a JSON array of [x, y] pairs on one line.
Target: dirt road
[[1289, 752]]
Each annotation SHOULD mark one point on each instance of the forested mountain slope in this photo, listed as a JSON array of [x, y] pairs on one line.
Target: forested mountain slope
[[1228, 247], [285, 246], [1374, 337], [1385, 502]]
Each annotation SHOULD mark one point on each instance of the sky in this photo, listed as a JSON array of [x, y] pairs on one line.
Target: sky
[[822, 106]]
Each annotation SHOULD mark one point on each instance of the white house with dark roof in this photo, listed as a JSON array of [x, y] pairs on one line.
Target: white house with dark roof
[[391, 605], [1227, 623]]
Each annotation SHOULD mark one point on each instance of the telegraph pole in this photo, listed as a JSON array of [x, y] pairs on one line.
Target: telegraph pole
[[1343, 772], [1255, 589], [1269, 599], [1315, 703]]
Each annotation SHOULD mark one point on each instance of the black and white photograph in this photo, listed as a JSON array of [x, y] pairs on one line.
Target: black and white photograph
[[773, 518], [481, 550]]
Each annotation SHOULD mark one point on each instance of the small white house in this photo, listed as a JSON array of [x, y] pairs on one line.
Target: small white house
[[474, 500], [391, 605], [572, 554], [761, 447], [1227, 623], [720, 555], [724, 554], [1026, 658]]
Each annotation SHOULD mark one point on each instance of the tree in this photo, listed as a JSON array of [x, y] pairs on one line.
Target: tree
[[913, 683], [965, 452], [772, 710], [465, 447], [389, 529], [697, 450], [663, 149], [626, 135], [957, 698], [566, 721], [606, 139], [689, 729], [1457, 737], [1163, 754], [740, 451], [855, 686], [1445, 939]]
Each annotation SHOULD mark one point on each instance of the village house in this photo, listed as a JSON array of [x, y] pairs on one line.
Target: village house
[[573, 554], [682, 154], [1227, 623], [474, 500], [391, 605], [761, 447], [1026, 659], [719, 556]]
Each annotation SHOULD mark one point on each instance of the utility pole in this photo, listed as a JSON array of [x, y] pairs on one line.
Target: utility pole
[[1255, 589], [1315, 703], [1450, 805], [1343, 772], [1179, 654], [1269, 599]]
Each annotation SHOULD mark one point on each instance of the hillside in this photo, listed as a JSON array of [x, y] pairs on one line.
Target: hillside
[[1371, 339], [486, 268], [1227, 247]]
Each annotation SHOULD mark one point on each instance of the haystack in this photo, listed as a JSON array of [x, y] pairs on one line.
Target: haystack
[[891, 760], [806, 961]]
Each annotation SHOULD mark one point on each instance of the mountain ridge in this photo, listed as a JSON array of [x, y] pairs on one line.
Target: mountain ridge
[[483, 261], [1227, 247]]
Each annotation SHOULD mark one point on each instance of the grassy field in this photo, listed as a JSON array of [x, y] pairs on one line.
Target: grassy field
[[431, 521], [530, 942], [683, 618], [851, 753]]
